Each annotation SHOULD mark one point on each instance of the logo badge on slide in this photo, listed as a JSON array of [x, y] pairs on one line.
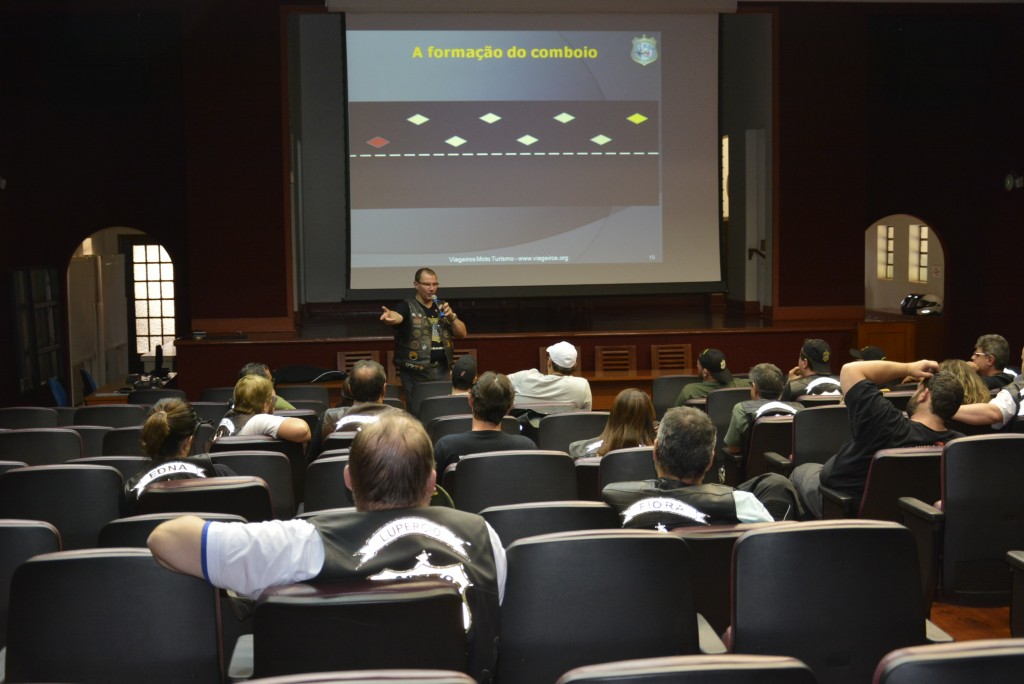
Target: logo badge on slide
[[645, 50]]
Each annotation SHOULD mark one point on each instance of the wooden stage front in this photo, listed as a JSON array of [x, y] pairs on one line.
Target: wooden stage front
[[215, 362]]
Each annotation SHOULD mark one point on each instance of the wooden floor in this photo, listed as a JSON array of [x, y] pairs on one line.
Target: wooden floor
[[968, 623]]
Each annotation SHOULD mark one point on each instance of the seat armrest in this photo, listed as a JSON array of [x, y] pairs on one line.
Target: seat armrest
[[935, 634], [926, 523], [836, 504], [710, 642], [777, 463], [735, 466], [1015, 559], [241, 665]]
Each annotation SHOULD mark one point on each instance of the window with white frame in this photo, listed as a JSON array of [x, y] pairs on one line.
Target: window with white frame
[[917, 269], [153, 275], [885, 253]]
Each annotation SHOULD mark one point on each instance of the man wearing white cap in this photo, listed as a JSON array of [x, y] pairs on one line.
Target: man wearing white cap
[[558, 384]]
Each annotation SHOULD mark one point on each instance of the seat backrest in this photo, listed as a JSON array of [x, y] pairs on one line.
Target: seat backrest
[[123, 441], [899, 398], [615, 359], [818, 432], [210, 411], [317, 407], [19, 541], [984, 514], [422, 390], [558, 430], [92, 438], [665, 390], [506, 477], [993, 661], [128, 466], [40, 446], [446, 405], [769, 433], [719, 407], [243, 495], [15, 417], [11, 465], [852, 594], [148, 397], [812, 400], [88, 382], [60, 395], [338, 440], [134, 530], [310, 392], [295, 452], [76, 499], [695, 669], [711, 552], [112, 415], [325, 484], [442, 426], [641, 577], [109, 615], [356, 624], [627, 465], [893, 473], [221, 395], [516, 521], [273, 467]]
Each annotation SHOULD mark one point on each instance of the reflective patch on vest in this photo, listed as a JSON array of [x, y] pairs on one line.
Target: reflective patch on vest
[[403, 527], [664, 505], [355, 419], [229, 427], [776, 406], [823, 384], [456, 574], [594, 447], [170, 468]]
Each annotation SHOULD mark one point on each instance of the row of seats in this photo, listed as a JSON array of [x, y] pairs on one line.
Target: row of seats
[[607, 595]]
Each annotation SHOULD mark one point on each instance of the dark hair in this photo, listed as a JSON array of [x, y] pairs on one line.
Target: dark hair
[[390, 463], [366, 381], [769, 380], [686, 442], [255, 368], [630, 423], [947, 394], [562, 369], [169, 424], [421, 271], [492, 397]]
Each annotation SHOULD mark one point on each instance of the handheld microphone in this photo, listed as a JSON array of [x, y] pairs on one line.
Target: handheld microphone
[[440, 311]]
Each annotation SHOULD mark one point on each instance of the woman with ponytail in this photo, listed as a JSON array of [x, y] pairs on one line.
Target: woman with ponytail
[[167, 438]]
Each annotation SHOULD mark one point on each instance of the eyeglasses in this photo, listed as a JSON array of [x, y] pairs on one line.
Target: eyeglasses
[[434, 284], [977, 354]]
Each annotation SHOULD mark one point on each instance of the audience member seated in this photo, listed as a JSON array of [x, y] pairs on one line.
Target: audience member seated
[[766, 382], [714, 374], [257, 368], [630, 424], [975, 390], [393, 531], [490, 399], [876, 423], [463, 374], [1000, 409], [558, 384], [366, 384], [167, 439], [253, 414], [991, 354], [683, 453], [812, 373]]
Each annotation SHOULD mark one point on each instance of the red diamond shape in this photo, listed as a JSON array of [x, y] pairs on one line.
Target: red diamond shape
[[378, 142]]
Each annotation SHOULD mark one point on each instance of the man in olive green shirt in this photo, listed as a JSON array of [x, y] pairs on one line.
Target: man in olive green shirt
[[714, 374]]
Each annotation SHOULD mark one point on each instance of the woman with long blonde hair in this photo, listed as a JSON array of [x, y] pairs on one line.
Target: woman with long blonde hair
[[630, 424]]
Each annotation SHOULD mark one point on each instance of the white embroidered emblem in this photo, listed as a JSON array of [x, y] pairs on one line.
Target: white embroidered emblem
[[664, 505], [169, 468], [456, 574]]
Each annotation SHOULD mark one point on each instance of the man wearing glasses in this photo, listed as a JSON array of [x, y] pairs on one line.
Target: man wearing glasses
[[425, 328], [991, 354]]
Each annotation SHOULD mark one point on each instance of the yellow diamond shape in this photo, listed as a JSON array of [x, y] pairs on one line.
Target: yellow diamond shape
[[527, 140], [601, 139], [564, 117], [637, 118], [455, 141], [490, 118], [417, 119]]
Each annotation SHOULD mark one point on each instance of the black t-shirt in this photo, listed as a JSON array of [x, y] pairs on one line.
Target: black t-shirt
[[875, 424], [433, 316], [450, 448]]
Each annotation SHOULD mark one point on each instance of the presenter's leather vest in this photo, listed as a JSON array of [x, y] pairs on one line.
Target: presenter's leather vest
[[412, 349]]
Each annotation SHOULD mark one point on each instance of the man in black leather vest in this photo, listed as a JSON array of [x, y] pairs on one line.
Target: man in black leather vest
[[393, 533]]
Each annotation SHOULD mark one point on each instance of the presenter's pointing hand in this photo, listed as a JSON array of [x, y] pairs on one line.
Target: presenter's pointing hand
[[388, 316]]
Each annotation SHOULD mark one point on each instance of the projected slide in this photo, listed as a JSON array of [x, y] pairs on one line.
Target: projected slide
[[473, 147]]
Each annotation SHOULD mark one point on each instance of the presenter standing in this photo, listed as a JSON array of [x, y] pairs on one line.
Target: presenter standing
[[425, 328]]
